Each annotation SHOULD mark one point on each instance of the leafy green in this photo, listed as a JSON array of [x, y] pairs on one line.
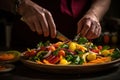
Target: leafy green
[[82, 40], [79, 52], [41, 54], [76, 59], [34, 58], [69, 57], [47, 43], [40, 44], [81, 61], [64, 46], [116, 54], [105, 47], [56, 51]]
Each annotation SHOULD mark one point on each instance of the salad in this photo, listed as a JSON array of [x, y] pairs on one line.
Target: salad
[[80, 52]]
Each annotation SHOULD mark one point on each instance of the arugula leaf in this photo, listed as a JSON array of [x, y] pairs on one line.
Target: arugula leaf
[[105, 47], [40, 44], [77, 60], [34, 58], [81, 61], [116, 54], [47, 43], [56, 51], [69, 57], [82, 40], [64, 46], [79, 52]]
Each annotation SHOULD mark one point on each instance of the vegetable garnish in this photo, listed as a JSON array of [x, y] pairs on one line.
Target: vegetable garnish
[[80, 52]]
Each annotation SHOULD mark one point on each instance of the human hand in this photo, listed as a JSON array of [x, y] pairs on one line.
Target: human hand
[[37, 18], [89, 26]]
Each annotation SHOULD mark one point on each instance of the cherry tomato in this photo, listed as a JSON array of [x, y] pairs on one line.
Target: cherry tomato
[[52, 48], [61, 52], [99, 47], [95, 50]]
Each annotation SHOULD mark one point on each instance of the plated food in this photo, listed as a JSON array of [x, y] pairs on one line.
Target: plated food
[[81, 52], [9, 56], [6, 67], [71, 57]]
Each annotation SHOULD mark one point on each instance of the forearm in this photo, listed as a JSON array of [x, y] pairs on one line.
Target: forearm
[[99, 8]]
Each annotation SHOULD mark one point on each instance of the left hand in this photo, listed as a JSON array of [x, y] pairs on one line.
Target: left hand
[[89, 26]]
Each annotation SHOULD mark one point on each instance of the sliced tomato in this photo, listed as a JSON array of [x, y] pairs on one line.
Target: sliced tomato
[[55, 60], [50, 57], [30, 53]]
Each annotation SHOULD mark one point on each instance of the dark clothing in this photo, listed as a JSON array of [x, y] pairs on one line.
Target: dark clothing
[[66, 13]]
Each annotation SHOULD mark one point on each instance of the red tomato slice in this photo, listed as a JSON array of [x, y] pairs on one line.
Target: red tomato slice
[[55, 60], [49, 58]]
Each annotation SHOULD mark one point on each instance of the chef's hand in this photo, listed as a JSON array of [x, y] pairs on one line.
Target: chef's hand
[[89, 26], [37, 18]]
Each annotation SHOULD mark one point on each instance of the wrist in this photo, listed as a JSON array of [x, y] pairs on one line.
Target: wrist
[[92, 14], [20, 5]]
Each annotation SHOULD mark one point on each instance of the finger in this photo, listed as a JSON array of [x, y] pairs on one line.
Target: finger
[[91, 31], [37, 26], [95, 32], [86, 27], [98, 31], [44, 24], [51, 24], [80, 25]]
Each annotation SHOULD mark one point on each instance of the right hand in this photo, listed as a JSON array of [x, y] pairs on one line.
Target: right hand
[[89, 26], [37, 18]]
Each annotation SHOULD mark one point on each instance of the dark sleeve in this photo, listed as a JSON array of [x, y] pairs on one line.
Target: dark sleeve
[[8, 5]]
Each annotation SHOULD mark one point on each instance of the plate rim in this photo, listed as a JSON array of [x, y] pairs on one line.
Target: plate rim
[[71, 65], [10, 67]]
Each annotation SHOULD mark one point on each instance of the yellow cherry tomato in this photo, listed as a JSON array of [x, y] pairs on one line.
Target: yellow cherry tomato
[[91, 56], [72, 46], [64, 61]]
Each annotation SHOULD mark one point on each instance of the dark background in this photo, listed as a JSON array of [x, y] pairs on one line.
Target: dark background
[[110, 23]]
